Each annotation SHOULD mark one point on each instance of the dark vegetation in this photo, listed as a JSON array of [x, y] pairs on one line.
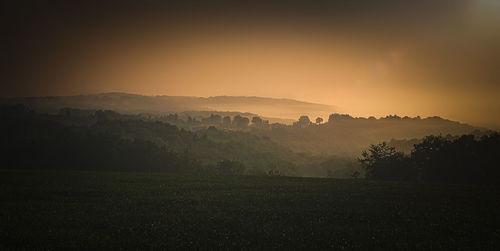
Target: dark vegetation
[[339, 134], [183, 105], [124, 210], [205, 183], [107, 140], [459, 160], [346, 135]]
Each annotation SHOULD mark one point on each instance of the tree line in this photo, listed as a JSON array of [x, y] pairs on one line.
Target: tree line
[[465, 159], [106, 140]]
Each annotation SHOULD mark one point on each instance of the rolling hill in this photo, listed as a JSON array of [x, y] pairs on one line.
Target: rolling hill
[[269, 108]]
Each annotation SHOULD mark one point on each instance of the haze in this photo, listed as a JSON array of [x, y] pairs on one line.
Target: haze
[[386, 57]]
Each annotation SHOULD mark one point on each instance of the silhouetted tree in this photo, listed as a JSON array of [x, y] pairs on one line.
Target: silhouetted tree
[[384, 162], [240, 122], [319, 120], [463, 159], [303, 122], [214, 119], [458, 160], [226, 122], [257, 121], [337, 116], [172, 117]]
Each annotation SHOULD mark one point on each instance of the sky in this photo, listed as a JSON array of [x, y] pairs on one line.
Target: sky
[[365, 57]]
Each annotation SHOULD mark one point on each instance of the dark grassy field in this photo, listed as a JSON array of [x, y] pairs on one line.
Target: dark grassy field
[[97, 210]]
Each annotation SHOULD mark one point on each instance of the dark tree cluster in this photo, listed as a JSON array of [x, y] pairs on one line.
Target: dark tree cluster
[[303, 122], [384, 162], [461, 160], [106, 140], [32, 142], [238, 122]]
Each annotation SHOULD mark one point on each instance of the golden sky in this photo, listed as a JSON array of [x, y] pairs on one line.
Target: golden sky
[[366, 58]]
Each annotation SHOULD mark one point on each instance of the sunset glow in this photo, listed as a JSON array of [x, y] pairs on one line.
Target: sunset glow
[[427, 60]]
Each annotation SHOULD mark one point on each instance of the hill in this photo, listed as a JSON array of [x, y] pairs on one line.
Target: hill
[[269, 108], [111, 141], [343, 134]]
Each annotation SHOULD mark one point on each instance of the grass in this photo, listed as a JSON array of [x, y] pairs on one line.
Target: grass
[[101, 210]]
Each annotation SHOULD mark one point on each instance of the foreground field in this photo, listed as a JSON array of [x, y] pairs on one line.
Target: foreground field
[[97, 210]]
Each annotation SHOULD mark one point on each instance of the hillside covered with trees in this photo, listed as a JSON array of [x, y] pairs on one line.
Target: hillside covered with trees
[[107, 140]]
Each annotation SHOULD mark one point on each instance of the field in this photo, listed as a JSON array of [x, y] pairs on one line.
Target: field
[[104, 210]]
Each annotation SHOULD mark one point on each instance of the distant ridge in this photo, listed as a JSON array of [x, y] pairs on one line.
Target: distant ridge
[[135, 103]]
